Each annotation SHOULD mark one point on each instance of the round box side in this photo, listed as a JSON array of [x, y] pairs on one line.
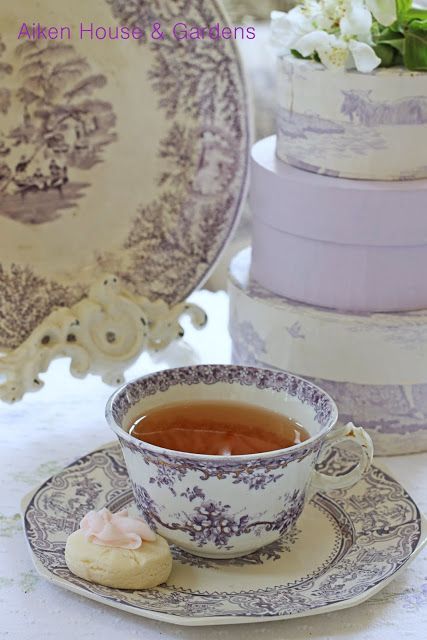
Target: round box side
[[369, 126]]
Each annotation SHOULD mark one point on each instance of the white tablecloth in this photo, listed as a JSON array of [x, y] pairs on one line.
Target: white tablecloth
[[49, 429]]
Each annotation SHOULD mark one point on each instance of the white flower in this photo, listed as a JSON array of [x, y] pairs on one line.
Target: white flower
[[332, 51], [338, 32], [287, 28], [336, 53], [330, 6], [312, 42], [325, 15], [357, 20], [365, 58], [383, 10]]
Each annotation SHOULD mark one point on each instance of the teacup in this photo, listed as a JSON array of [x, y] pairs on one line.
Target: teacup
[[229, 506]]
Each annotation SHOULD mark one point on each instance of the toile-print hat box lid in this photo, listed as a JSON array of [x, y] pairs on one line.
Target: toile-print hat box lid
[[353, 356]]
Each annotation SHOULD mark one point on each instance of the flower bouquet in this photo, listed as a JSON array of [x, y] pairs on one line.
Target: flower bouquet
[[361, 34]]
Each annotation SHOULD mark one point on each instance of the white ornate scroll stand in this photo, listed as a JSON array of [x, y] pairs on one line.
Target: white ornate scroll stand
[[103, 334]]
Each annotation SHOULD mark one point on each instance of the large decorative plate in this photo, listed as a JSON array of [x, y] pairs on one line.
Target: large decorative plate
[[346, 546], [116, 156]]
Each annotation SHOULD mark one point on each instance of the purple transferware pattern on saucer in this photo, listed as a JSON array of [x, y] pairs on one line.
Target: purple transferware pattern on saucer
[[348, 544]]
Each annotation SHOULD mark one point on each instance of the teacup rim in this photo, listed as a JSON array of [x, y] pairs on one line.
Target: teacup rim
[[122, 433]]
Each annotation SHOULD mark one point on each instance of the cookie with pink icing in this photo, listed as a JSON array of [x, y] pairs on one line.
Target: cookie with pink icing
[[118, 550]]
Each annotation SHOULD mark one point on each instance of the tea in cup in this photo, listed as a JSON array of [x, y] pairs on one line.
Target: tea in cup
[[227, 457]]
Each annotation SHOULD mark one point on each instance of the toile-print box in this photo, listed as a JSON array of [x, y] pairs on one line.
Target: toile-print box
[[366, 126], [351, 356]]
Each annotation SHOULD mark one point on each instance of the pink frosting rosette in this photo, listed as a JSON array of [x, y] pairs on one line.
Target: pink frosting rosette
[[116, 529]]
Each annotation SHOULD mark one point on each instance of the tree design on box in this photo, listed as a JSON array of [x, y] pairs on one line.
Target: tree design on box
[[359, 107], [60, 129], [248, 346]]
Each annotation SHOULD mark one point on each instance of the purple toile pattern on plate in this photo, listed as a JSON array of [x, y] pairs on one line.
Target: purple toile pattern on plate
[[172, 240]]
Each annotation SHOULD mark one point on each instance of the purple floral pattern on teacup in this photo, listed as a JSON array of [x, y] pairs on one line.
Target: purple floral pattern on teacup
[[271, 552], [166, 469], [193, 493], [278, 381], [212, 521]]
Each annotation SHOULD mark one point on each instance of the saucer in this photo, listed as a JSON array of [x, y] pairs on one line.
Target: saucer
[[347, 545]]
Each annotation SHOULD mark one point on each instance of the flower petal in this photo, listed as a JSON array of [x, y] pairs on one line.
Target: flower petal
[[332, 51], [312, 42], [383, 10], [356, 22], [336, 56], [287, 28], [365, 58]]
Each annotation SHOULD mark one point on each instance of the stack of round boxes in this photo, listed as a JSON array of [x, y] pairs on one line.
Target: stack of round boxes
[[335, 288]]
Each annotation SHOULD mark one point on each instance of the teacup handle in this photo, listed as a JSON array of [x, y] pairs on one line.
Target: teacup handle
[[322, 482]]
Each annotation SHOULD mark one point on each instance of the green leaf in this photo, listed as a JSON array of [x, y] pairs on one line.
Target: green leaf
[[397, 43], [392, 37], [313, 56], [402, 8], [389, 33], [419, 25], [297, 54], [416, 14], [415, 55], [386, 53]]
